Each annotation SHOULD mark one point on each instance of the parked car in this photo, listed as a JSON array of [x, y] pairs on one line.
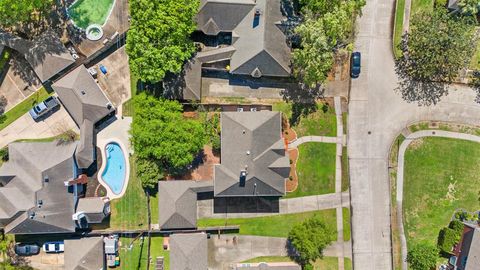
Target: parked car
[[355, 63], [103, 69], [54, 247], [23, 249], [92, 71], [44, 107]]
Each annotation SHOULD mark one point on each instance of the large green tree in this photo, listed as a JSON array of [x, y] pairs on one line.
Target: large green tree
[[14, 12], [158, 40], [437, 46], [422, 256], [161, 135], [309, 239]]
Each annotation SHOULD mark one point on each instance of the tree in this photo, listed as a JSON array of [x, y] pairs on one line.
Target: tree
[[161, 134], [158, 39], [469, 7], [422, 256], [14, 12], [436, 48], [149, 173], [309, 239]]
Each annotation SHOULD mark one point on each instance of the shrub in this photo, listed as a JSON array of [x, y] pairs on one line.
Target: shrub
[[4, 154], [457, 226], [422, 256], [440, 3], [447, 238]]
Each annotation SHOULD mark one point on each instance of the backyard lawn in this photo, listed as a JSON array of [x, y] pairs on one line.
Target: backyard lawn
[[276, 226], [327, 263], [315, 169], [135, 258], [318, 123], [130, 211], [441, 175], [23, 107], [156, 250], [86, 12]]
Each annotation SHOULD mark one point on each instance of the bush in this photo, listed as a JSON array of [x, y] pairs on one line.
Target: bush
[[422, 256], [440, 3], [457, 226], [447, 238], [4, 154]]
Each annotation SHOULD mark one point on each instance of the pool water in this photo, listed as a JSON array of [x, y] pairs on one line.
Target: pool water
[[114, 173]]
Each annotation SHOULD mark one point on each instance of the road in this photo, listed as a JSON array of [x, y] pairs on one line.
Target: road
[[376, 116]]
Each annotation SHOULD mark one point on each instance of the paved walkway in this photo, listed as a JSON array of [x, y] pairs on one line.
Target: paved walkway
[[400, 169]]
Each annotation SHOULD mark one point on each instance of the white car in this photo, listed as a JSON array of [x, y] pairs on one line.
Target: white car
[[53, 247]]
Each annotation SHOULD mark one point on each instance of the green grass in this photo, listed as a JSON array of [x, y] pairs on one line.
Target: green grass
[[346, 224], [345, 170], [397, 36], [130, 211], [154, 208], [315, 169], [23, 107], [327, 263], [431, 165], [86, 12], [317, 123], [276, 226], [156, 250], [136, 258], [421, 5], [269, 259], [347, 264], [475, 63], [127, 107]]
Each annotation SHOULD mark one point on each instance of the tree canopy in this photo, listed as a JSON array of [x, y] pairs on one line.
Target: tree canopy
[[309, 239], [158, 40], [13, 12], [161, 136], [327, 27], [435, 49], [422, 256]]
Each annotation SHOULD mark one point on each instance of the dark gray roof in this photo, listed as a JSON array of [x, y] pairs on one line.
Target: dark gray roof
[[23, 177], [46, 55], [187, 85], [215, 55], [85, 152], [470, 250], [453, 4], [261, 47], [269, 266], [188, 251], [222, 15], [84, 254], [177, 203], [251, 141], [82, 96]]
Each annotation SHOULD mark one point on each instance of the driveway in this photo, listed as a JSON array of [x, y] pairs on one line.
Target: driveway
[[376, 116], [25, 128], [44, 261], [15, 89]]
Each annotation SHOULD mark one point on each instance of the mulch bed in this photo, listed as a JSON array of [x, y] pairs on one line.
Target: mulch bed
[[203, 167], [292, 182]]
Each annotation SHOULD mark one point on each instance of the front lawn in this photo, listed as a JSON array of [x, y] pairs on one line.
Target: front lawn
[[322, 122], [315, 169], [276, 226], [397, 36], [130, 211], [441, 175], [346, 224], [268, 259], [86, 12], [327, 263], [23, 107]]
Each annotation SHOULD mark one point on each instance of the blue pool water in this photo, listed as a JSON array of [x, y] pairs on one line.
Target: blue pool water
[[114, 172]]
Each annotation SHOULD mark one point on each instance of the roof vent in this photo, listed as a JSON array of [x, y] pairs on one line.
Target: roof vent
[[46, 179], [243, 131], [39, 203], [83, 93], [109, 106], [32, 215], [258, 11], [248, 152]]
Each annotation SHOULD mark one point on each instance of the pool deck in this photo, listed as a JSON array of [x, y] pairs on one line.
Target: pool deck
[[116, 131]]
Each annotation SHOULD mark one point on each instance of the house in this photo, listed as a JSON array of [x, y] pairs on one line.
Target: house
[[47, 56], [84, 254], [268, 266], [468, 256], [88, 105], [254, 160], [95, 209], [177, 203], [188, 251], [258, 44]]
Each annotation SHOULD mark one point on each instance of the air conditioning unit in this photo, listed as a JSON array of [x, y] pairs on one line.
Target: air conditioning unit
[[78, 216]]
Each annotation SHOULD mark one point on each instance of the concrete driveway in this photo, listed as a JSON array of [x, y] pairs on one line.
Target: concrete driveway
[[376, 116], [15, 89], [26, 128], [44, 261]]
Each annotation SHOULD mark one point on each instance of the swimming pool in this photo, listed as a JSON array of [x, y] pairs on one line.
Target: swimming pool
[[114, 172]]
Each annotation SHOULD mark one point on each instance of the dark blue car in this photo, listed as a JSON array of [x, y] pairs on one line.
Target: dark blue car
[[355, 61]]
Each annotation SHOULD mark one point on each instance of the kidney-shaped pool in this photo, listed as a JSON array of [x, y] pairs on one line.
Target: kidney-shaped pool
[[114, 173]]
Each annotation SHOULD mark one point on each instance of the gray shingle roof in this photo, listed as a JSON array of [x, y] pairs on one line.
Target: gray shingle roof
[[188, 251], [46, 55], [94, 208], [177, 203], [187, 85], [84, 254], [23, 176], [260, 46], [251, 141]]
